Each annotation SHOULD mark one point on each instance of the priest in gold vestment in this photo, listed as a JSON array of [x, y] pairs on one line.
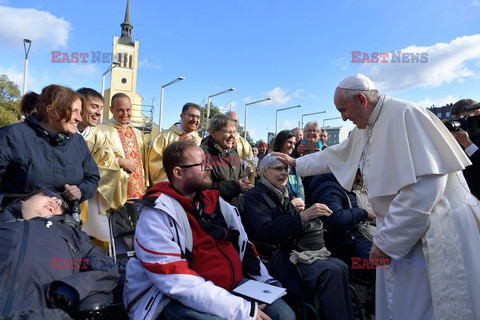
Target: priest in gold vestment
[[186, 129], [130, 142], [112, 187]]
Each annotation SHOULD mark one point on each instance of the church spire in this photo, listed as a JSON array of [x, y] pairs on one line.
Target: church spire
[[126, 37]]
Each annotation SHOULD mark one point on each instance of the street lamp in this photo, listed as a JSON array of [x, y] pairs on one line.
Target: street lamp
[[276, 116], [323, 126], [213, 95], [113, 65], [27, 43], [161, 101], [246, 105], [309, 114]]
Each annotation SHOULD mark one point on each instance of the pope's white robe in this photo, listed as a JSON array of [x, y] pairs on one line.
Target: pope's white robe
[[428, 221]]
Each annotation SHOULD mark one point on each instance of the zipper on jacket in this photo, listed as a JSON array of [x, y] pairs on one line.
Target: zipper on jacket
[[72, 254], [150, 304], [230, 263], [13, 285]]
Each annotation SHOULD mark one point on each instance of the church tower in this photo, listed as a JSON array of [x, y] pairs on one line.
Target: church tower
[[124, 74]]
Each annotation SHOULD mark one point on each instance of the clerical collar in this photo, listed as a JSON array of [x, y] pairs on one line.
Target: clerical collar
[[376, 112], [179, 127], [85, 132], [115, 121]]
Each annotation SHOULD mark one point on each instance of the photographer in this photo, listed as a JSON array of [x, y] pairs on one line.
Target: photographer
[[466, 108]]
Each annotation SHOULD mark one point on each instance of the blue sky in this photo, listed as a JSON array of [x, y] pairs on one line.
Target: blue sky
[[292, 51]]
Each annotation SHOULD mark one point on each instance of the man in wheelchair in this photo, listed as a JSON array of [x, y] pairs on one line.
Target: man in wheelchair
[[192, 250], [47, 262]]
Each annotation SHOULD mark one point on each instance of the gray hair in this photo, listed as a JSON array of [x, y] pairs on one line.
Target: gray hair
[[268, 162], [372, 95], [218, 122], [309, 124]]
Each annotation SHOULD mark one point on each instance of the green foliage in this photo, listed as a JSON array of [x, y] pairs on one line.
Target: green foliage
[[9, 101], [8, 89], [7, 116], [203, 121]]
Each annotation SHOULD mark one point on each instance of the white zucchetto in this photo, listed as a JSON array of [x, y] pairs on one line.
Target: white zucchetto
[[357, 82]]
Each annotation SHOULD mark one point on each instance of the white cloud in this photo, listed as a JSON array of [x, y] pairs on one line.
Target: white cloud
[[447, 62], [342, 63], [474, 4], [440, 102], [13, 75], [288, 124], [279, 97], [298, 93], [146, 63], [89, 69], [232, 105], [38, 26]]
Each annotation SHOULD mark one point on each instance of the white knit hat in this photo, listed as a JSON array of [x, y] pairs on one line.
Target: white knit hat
[[357, 82]]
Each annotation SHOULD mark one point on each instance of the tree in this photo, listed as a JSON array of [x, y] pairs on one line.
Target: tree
[[241, 132], [203, 120], [9, 101]]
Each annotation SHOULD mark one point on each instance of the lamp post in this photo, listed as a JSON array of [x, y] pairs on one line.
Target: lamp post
[[27, 43], [276, 116], [309, 114], [161, 101], [214, 95], [246, 106], [113, 65], [323, 126]]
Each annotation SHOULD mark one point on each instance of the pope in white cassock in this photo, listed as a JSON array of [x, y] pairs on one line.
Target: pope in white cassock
[[428, 221]]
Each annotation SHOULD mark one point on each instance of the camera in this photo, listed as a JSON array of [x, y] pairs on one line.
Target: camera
[[456, 124], [470, 124]]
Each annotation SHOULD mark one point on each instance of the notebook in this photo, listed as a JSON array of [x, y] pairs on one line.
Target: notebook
[[260, 291]]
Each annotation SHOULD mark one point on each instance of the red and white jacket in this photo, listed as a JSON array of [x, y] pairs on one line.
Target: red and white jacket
[[160, 271]]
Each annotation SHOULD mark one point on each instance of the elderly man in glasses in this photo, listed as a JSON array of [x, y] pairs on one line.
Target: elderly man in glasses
[[185, 129], [192, 250], [46, 260]]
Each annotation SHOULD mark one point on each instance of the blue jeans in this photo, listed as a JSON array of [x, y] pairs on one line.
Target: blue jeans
[[174, 310]]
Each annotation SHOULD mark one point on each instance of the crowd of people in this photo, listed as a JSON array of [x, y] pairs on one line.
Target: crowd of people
[[389, 202]]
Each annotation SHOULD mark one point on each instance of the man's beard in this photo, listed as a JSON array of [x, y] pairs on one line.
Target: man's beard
[[199, 185]]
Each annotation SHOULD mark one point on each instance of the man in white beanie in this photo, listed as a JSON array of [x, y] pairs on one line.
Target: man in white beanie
[[427, 218]]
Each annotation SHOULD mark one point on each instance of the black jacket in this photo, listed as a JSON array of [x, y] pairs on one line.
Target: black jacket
[[326, 189], [472, 174], [267, 220], [32, 158], [227, 169], [39, 252]]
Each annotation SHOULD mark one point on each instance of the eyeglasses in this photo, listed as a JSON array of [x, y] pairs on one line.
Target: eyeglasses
[[192, 116], [281, 168], [204, 165], [228, 132], [53, 194]]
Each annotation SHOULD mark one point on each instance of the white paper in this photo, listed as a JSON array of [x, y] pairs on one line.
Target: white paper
[[260, 291]]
